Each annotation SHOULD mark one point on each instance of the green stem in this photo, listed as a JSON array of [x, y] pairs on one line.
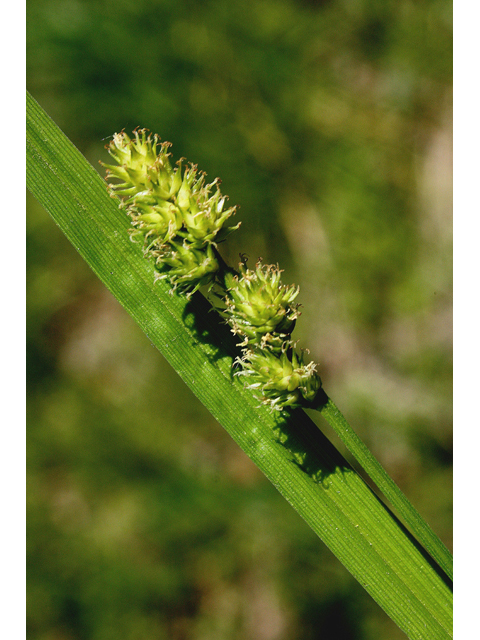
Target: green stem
[[380, 477]]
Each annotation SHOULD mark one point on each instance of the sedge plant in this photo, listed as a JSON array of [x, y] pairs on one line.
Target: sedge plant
[[253, 377], [181, 219]]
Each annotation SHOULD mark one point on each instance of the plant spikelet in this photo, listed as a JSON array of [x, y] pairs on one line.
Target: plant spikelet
[[174, 212], [259, 308], [283, 379]]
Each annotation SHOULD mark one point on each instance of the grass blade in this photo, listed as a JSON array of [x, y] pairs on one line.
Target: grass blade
[[387, 486]]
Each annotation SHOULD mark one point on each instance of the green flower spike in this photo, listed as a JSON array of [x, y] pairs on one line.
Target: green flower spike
[[147, 184], [179, 217], [284, 379], [156, 222], [140, 167], [202, 211], [185, 267], [259, 308], [161, 202]]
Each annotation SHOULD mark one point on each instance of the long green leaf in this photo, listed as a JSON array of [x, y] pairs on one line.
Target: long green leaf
[[304, 466], [384, 482]]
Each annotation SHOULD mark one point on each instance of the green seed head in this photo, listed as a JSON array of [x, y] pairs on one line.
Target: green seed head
[[162, 202], [259, 308], [140, 168], [156, 221], [186, 268], [283, 379], [202, 209], [181, 219]]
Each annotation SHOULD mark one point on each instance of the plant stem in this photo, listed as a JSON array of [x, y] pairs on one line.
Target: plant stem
[[384, 482]]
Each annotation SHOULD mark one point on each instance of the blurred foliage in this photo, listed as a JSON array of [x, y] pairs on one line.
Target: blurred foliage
[[330, 125]]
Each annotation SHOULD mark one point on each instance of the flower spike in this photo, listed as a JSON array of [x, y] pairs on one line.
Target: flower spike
[[185, 267], [284, 379], [180, 219], [259, 308]]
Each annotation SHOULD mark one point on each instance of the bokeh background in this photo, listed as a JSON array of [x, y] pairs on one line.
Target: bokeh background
[[330, 125]]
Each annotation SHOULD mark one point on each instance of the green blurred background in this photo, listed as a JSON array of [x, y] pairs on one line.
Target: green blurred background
[[330, 125]]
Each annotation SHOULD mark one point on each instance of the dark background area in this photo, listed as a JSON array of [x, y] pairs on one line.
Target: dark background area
[[329, 124]]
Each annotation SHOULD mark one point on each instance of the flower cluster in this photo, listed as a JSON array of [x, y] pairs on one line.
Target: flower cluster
[[258, 306], [261, 311], [180, 219], [283, 378], [178, 216]]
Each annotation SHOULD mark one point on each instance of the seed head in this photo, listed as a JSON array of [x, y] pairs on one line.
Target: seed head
[[185, 267], [202, 209], [162, 202], [283, 378], [259, 308], [140, 168]]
